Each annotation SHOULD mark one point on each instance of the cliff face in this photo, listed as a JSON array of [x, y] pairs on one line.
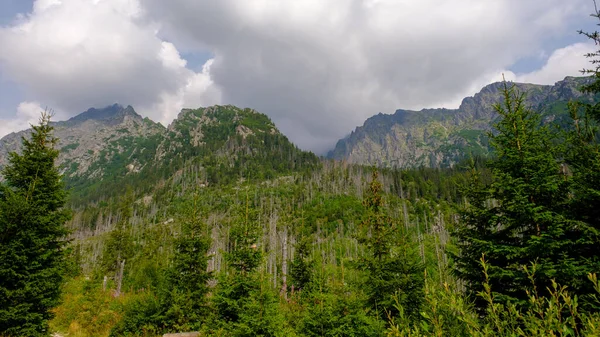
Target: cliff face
[[442, 137]]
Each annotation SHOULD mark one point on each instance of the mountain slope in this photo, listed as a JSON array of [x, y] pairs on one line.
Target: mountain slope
[[94, 143], [442, 137]]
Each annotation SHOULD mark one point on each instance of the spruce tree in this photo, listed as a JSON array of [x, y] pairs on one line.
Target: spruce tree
[[394, 274], [235, 288], [119, 247], [32, 235], [245, 304], [188, 275], [519, 218], [301, 271], [583, 159]]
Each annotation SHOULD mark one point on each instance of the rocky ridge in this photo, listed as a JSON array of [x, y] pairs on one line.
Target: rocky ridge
[[443, 137]]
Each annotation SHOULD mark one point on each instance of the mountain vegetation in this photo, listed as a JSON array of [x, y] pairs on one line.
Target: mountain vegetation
[[219, 224]]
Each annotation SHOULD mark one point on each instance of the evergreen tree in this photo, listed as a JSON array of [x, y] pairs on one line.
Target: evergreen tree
[[519, 218], [583, 159], [119, 248], [181, 302], [394, 273], [245, 304], [32, 235], [188, 276], [301, 268]]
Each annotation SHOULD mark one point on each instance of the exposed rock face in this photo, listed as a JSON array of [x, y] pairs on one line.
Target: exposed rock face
[[91, 140], [442, 137]]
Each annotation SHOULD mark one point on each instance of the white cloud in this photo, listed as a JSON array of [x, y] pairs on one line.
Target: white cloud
[[74, 54], [318, 68], [28, 113], [199, 90], [569, 60]]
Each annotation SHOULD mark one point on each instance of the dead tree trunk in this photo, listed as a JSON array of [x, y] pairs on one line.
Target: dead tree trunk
[[120, 278], [284, 263]]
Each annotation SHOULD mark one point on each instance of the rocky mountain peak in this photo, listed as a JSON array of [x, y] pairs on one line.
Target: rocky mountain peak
[[112, 114]]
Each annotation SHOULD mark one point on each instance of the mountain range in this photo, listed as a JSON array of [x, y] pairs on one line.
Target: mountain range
[[443, 137], [116, 141], [99, 148]]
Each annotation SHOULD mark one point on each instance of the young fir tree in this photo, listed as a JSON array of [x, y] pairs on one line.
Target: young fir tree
[[119, 247], [245, 305], [394, 274], [519, 218], [301, 268], [188, 276], [180, 303], [32, 235]]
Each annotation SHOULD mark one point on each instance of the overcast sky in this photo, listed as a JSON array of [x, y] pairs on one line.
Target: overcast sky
[[317, 68]]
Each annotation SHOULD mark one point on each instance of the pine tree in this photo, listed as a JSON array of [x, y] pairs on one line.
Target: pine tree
[[32, 235], [394, 273], [519, 218], [245, 303]]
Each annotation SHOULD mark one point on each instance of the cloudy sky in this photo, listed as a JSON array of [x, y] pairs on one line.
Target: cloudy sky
[[317, 68]]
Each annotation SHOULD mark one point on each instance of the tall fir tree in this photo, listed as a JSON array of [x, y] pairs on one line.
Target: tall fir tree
[[188, 275], [395, 276], [583, 159], [301, 268], [119, 248], [245, 305], [519, 218], [32, 235]]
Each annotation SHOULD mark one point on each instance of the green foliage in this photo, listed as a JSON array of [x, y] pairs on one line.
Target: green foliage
[[86, 310], [391, 269], [519, 217], [339, 315], [143, 316], [69, 147], [301, 268], [119, 247], [244, 255], [32, 235], [188, 276], [446, 313], [583, 159]]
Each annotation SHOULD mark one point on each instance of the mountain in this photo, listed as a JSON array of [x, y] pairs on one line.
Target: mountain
[[443, 137], [227, 141], [93, 138], [101, 147]]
